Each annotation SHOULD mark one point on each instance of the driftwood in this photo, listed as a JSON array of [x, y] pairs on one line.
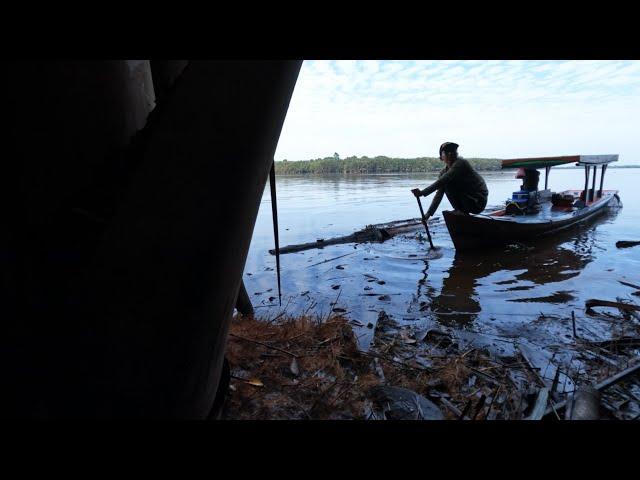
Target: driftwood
[[626, 244], [617, 342], [371, 233], [605, 303], [617, 377], [457, 412], [601, 386], [531, 365], [541, 405], [637, 287]]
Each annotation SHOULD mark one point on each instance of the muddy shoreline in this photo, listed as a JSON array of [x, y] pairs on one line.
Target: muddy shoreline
[[311, 369]]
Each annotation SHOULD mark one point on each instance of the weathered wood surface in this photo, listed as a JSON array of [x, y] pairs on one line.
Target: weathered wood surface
[[541, 404], [371, 233], [602, 385]]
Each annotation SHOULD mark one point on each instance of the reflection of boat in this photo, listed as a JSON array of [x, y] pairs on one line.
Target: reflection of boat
[[532, 213], [500, 276], [514, 272]]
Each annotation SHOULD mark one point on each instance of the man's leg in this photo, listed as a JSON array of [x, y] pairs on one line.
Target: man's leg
[[459, 202], [453, 200]]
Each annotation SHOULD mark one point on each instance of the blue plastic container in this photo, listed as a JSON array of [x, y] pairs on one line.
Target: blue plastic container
[[521, 197]]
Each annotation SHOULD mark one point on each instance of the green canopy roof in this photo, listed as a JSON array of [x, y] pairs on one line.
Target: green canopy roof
[[542, 162]]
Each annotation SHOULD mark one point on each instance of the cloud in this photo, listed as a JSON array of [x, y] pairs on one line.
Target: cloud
[[492, 108]]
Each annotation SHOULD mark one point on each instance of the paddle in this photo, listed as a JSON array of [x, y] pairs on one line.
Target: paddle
[[424, 222]]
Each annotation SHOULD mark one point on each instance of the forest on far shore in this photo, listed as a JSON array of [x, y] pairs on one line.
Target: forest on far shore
[[380, 164]]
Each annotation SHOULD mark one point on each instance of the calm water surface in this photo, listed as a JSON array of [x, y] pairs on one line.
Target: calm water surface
[[496, 292]]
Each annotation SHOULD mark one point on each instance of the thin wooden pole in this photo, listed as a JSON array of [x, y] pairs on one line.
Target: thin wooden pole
[[604, 168], [274, 212], [586, 184], [546, 177]]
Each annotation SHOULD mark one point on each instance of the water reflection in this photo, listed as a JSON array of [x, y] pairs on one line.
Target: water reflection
[[512, 287], [491, 279]]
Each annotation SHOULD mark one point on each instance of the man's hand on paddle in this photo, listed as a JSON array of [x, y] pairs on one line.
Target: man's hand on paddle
[[417, 192]]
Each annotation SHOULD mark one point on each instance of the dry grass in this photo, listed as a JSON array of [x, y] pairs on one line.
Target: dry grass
[[308, 369], [332, 378]]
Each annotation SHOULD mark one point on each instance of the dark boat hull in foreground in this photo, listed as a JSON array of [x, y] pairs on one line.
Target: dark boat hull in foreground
[[497, 229]]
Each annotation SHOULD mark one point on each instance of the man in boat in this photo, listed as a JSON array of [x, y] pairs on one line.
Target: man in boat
[[465, 188]]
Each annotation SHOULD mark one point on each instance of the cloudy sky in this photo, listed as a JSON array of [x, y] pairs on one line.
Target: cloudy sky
[[492, 108]]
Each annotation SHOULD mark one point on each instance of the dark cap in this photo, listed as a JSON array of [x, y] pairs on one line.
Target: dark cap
[[449, 147]]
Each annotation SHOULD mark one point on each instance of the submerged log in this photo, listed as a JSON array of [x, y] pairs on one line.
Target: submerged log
[[605, 303], [632, 285], [371, 233]]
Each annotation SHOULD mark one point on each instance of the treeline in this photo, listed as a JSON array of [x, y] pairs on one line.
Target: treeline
[[355, 165]]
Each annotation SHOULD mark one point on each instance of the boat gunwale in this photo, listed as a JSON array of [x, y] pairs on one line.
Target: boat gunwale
[[461, 227], [498, 215]]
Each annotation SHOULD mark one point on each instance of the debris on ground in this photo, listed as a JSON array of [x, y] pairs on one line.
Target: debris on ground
[[395, 403], [312, 368]]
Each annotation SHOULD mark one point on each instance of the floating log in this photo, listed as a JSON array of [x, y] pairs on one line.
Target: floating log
[[626, 244], [371, 233]]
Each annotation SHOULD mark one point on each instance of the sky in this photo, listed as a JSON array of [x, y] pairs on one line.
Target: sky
[[491, 108]]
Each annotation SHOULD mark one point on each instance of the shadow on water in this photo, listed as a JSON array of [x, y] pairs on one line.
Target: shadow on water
[[497, 279]]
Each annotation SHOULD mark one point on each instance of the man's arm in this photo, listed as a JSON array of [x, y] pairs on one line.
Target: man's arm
[[435, 203], [445, 178]]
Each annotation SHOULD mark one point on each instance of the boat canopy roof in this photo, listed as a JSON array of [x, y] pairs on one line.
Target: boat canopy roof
[[543, 162], [597, 159]]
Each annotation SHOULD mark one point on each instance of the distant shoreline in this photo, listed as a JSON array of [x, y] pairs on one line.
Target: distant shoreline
[[354, 174], [374, 165], [381, 165], [339, 174]]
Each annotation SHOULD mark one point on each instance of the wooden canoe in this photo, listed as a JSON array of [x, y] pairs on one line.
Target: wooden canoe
[[494, 229]]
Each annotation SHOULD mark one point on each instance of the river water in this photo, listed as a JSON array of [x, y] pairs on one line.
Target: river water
[[501, 292]]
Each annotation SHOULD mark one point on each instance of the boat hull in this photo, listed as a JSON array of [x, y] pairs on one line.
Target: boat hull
[[472, 231]]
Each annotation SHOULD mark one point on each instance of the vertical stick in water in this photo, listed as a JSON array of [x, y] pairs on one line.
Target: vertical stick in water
[[274, 212]]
